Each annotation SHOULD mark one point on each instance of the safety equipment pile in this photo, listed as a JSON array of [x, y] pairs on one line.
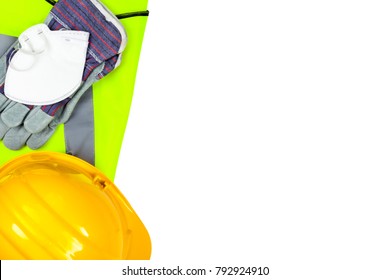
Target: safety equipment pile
[[33, 125]]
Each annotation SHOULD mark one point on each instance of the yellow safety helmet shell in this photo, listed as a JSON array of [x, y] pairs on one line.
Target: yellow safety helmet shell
[[56, 206]]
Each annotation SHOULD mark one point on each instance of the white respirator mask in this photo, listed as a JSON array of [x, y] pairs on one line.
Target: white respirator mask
[[48, 67]]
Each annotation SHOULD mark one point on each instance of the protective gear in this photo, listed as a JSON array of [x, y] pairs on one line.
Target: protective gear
[[92, 127], [35, 125], [56, 206], [50, 65]]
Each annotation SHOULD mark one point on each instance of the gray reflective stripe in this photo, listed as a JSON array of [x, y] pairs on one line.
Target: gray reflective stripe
[[5, 43], [80, 128]]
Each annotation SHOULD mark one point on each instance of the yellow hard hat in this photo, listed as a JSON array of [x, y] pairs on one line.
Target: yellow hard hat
[[56, 206]]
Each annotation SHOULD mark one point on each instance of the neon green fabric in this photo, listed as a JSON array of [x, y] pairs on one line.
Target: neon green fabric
[[109, 128]]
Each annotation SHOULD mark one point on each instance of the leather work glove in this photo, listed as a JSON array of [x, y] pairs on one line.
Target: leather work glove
[[33, 126]]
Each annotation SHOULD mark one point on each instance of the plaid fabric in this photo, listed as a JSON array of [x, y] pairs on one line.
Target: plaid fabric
[[104, 42], [105, 39]]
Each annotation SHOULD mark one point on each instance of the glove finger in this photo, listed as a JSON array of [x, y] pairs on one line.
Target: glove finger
[[37, 140], [14, 114], [37, 120], [4, 102], [16, 138], [3, 129]]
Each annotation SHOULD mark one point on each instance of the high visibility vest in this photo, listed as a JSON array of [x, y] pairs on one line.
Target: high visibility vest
[[96, 129]]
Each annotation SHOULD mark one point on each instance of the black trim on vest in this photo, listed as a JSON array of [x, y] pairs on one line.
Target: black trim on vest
[[120, 16]]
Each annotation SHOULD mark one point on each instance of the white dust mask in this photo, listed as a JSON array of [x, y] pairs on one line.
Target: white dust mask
[[48, 67]]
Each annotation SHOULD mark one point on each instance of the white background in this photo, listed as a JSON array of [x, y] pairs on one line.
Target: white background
[[259, 135]]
